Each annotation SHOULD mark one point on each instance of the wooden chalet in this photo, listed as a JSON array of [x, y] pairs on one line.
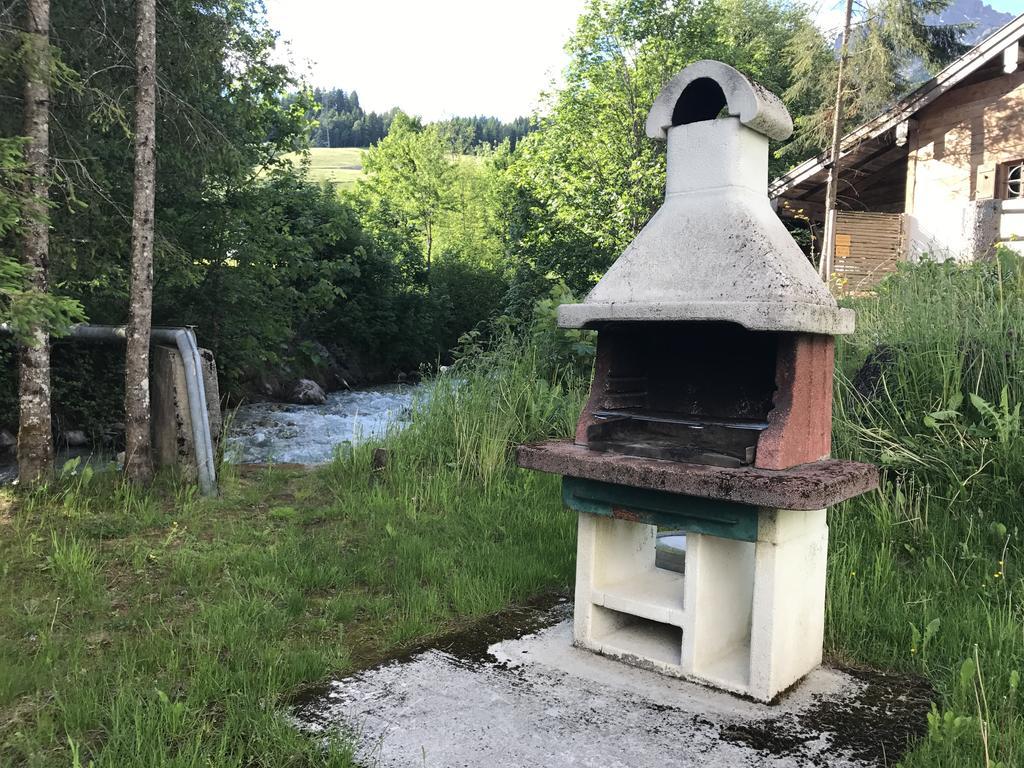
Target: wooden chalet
[[939, 174]]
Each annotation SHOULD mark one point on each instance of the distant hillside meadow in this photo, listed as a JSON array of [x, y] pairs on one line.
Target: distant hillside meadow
[[340, 166]]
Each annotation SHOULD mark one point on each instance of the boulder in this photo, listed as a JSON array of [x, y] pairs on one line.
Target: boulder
[[76, 438], [349, 371], [8, 442], [307, 392], [113, 435]]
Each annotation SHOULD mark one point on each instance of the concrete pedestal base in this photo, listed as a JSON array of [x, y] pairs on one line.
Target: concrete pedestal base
[[747, 617]]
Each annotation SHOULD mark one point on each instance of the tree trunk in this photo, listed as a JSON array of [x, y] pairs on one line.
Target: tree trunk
[[138, 463], [828, 248], [430, 243], [35, 436]]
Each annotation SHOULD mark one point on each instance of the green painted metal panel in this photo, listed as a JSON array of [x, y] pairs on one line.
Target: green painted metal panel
[[725, 519]]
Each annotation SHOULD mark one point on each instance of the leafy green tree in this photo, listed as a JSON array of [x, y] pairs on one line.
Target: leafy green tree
[[479, 130], [23, 309], [19, 305], [877, 46], [470, 226], [339, 121], [409, 176], [245, 250], [138, 462], [35, 439], [287, 252], [26, 309], [589, 178], [223, 127]]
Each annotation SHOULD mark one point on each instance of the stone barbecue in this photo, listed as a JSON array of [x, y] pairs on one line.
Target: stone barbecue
[[710, 413]]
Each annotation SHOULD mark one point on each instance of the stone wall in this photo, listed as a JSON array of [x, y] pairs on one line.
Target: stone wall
[[957, 146]]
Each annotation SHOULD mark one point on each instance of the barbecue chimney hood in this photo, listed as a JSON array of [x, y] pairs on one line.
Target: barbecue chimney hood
[[715, 250]]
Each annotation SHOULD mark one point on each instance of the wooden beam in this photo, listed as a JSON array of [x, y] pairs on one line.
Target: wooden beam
[[902, 132], [1011, 57], [885, 153], [790, 208]]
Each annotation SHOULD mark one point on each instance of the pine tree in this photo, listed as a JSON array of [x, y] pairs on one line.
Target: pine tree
[[35, 437], [138, 463], [880, 42], [887, 38]]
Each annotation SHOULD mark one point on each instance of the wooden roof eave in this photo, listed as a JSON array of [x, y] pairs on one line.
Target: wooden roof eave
[[872, 158]]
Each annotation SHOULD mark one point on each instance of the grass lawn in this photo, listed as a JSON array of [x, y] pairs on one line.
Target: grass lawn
[[166, 629], [341, 166]]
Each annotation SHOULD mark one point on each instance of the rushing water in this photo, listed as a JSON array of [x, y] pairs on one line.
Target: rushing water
[[310, 434], [289, 434]]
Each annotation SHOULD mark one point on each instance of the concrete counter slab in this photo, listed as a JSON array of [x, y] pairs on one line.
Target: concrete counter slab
[[811, 486]]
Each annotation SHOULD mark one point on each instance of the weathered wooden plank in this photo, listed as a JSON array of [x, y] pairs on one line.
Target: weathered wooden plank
[[869, 245]]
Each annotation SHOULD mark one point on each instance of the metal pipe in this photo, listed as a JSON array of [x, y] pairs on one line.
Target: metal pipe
[[185, 341]]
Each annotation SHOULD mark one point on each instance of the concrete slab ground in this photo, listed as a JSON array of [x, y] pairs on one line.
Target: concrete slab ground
[[477, 700]]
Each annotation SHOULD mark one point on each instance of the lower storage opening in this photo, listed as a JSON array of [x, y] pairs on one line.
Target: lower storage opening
[[635, 636], [730, 669]]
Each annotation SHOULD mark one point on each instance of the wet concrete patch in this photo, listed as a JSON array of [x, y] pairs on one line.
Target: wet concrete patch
[[512, 691]]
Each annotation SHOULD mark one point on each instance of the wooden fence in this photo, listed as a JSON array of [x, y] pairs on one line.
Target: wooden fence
[[868, 245]]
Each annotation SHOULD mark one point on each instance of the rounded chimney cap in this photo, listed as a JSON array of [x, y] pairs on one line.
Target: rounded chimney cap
[[700, 91]]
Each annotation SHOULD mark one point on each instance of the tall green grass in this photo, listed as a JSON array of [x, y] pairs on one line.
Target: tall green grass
[[164, 629], [925, 574]]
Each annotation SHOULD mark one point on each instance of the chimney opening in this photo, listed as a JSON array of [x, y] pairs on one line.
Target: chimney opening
[[701, 100]]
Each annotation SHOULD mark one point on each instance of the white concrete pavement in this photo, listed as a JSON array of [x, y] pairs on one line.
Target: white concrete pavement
[[538, 701]]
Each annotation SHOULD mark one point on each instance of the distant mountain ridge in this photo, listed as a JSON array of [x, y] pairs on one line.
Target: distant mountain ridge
[[985, 18]]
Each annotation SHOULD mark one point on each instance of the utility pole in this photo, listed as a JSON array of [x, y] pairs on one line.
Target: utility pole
[[828, 248]]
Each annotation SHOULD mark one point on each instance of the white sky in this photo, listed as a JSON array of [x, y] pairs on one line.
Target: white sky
[[439, 58], [433, 58]]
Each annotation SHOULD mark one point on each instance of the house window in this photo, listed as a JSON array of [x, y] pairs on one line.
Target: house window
[[1014, 185]]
